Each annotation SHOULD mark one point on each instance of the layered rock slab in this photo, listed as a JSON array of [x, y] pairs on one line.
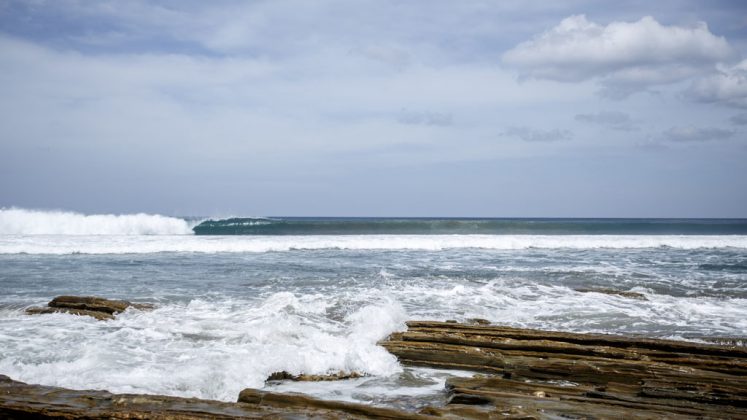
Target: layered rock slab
[[22, 401], [544, 374]]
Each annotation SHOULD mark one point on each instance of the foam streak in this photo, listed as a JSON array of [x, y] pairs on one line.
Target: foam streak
[[120, 244]]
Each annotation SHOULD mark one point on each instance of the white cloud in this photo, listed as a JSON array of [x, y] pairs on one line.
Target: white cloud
[[536, 135], [625, 56], [727, 86], [696, 134]]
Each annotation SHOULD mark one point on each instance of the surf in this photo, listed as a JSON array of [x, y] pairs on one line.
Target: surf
[[15, 221], [147, 244]]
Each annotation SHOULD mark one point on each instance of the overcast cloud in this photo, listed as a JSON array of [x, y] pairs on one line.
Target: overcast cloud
[[612, 119], [690, 133], [374, 108]]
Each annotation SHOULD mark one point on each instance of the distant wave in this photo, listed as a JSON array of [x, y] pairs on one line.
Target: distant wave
[[14, 221], [467, 226], [98, 244]]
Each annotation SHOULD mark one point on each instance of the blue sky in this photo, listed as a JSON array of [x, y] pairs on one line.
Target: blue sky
[[375, 108]]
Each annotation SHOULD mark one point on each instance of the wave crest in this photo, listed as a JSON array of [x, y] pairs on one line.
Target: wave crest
[[15, 221]]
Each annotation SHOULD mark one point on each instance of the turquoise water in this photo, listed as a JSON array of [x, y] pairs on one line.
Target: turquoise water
[[464, 226]]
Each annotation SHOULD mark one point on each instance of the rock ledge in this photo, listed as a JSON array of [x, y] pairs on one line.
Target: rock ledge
[[97, 307]]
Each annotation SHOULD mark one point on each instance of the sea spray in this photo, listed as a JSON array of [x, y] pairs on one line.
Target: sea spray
[[15, 221], [206, 349]]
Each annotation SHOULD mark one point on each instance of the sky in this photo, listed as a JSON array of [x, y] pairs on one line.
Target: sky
[[567, 108]]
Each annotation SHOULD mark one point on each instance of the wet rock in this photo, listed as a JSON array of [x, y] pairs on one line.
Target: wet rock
[[317, 408], [546, 374], [22, 401], [99, 308], [285, 376], [627, 294]]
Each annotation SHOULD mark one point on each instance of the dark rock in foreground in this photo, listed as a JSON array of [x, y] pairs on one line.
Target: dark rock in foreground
[[543, 374], [99, 308], [22, 401], [312, 407]]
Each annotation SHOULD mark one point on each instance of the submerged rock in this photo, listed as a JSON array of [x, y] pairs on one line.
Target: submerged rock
[[478, 321], [99, 308], [627, 294], [285, 376]]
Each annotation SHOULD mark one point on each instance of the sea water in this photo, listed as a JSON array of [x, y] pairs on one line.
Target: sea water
[[240, 298]]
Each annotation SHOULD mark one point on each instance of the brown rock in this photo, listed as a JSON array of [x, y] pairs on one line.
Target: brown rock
[[292, 401], [101, 316], [22, 401], [285, 376], [541, 374], [99, 308]]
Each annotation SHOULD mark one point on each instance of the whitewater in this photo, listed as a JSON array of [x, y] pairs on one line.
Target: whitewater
[[232, 309]]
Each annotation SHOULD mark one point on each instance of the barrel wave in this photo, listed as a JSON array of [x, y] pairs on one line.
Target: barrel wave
[[467, 226]]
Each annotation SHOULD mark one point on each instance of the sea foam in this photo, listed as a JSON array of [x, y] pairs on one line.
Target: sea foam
[[15, 221], [144, 244], [205, 348]]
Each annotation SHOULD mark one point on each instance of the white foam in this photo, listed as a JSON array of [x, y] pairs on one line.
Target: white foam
[[524, 303], [15, 221], [134, 244], [204, 349]]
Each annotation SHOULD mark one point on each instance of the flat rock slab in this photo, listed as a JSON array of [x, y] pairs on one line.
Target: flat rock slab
[[22, 401], [546, 374], [97, 307]]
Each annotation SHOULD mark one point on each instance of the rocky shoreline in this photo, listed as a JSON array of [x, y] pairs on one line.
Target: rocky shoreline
[[519, 374]]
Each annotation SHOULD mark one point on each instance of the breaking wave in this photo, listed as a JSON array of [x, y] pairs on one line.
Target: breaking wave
[[15, 221], [467, 226]]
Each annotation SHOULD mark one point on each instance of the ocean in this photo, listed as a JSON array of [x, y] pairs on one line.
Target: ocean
[[240, 298]]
